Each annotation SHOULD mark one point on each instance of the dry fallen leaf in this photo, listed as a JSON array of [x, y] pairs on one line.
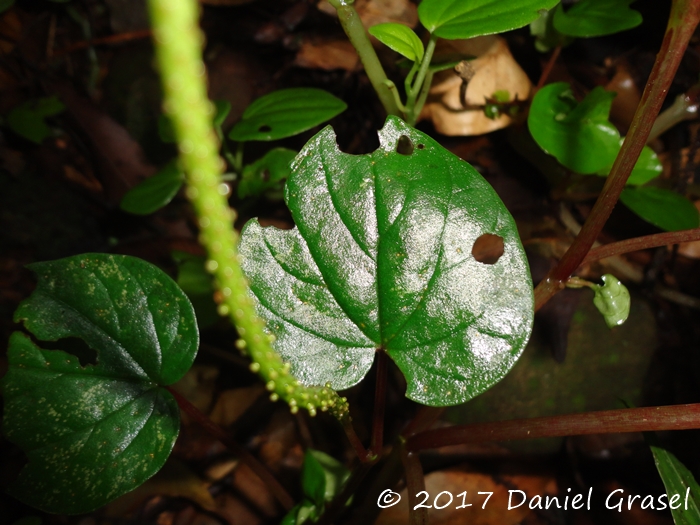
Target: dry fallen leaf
[[327, 53], [494, 69]]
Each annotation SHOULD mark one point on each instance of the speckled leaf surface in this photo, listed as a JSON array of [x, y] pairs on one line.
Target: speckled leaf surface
[[94, 432], [381, 258]]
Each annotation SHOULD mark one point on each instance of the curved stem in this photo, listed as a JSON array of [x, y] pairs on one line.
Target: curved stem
[[675, 417], [177, 39], [417, 87], [641, 243], [246, 457], [685, 15]]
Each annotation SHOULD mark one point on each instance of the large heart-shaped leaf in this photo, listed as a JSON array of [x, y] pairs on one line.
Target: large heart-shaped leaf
[[589, 18], [381, 259], [92, 433], [285, 113], [452, 19]]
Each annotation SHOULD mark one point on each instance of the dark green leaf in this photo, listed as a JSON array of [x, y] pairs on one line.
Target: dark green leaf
[[155, 192], [612, 300], [453, 19], [92, 433], [28, 119], [266, 173], [589, 18], [165, 129], [663, 208], [285, 113], [579, 135], [400, 38], [313, 479], [381, 258], [682, 490]]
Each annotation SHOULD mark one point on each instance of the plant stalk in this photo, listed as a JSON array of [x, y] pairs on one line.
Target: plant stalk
[[641, 243], [377, 443], [177, 40], [684, 17], [412, 111], [674, 417], [352, 25]]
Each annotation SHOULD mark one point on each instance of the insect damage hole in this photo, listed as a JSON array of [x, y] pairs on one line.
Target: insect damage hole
[[488, 248], [264, 128], [404, 146]]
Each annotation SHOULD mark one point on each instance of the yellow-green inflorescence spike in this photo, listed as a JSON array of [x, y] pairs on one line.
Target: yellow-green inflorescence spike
[[178, 44]]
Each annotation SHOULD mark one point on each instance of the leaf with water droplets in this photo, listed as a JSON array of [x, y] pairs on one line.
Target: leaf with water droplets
[[406, 250], [93, 432]]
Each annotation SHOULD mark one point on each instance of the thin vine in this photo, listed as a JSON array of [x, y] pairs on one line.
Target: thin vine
[[178, 41]]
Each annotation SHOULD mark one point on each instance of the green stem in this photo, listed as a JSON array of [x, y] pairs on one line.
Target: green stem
[[685, 15], [421, 98], [178, 40], [352, 25], [417, 88]]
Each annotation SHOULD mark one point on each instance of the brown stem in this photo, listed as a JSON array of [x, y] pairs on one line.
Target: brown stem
[[674, 417], [684, 17], [641, 243], [548, 68], [379, 405], [106, 40], [360, 449], [246, 457], [415, 483]]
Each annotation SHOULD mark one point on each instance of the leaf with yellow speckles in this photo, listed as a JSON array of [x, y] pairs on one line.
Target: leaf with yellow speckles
[[406, 250], [94, 432]]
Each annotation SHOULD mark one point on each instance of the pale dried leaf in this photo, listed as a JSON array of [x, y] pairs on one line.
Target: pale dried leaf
[[495, 69], [327, 53]]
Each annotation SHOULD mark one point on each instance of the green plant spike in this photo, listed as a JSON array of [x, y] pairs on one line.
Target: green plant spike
[[96, 431], [384, 258], [178, 53]]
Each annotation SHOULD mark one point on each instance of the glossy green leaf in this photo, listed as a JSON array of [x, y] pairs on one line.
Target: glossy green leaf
[[589, 18], [663, 208], [92, 433], [266, 173], [29, 119], [682, 491], [400, 38], [322, 477], [453, 19], [381, 260], [285, 113], [612, 300], [579, 135], [648, 167], [154, 192]]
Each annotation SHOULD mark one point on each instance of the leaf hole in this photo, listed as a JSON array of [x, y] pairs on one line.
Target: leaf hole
[[404, 146], [74, 346], [264, 128], [421, 146], [488, 248]]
